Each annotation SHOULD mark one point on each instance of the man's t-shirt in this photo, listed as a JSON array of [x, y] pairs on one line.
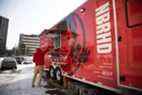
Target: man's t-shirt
[[38, 57]]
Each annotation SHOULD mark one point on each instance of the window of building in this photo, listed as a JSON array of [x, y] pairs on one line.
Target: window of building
[[134, 12], [57, 40], [0, 21]]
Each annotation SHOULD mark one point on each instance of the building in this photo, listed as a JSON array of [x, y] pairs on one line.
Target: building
[[28, 44], [3, 34]]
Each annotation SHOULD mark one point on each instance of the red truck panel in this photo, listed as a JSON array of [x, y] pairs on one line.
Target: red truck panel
[[106, 41], [105, 57], [129, 18], [100, 67]]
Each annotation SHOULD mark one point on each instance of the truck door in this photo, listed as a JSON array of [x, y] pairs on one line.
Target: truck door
[[129, 14]]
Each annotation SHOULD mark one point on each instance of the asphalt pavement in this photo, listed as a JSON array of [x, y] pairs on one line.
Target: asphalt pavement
[[19, 82]]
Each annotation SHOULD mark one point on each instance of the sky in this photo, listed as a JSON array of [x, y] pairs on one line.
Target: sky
[[33, 16]]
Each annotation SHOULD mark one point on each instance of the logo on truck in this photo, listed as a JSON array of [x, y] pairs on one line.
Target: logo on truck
[[103, 29]]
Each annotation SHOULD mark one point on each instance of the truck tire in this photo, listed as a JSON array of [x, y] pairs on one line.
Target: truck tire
[[58, 75], [51, 73]]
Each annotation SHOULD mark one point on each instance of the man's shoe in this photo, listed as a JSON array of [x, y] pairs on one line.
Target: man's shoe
[[33, 85]]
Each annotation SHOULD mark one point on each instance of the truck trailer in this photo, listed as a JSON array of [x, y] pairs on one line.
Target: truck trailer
[[98, 44]]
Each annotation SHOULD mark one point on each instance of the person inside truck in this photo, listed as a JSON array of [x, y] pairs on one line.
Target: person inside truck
[[38, 59]]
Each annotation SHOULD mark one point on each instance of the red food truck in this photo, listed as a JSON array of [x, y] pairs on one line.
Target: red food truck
[[99, 44]]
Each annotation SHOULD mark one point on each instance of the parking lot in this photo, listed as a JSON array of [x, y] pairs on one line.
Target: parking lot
[[19, 82]]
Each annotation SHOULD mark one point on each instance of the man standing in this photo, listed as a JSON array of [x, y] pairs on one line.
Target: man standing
[[38, 59]]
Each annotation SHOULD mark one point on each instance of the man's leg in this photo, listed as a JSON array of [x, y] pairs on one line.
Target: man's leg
[[40, 75], [35, 76], [33, 81]]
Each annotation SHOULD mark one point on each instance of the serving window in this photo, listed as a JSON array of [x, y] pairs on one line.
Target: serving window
[[134, 12]]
